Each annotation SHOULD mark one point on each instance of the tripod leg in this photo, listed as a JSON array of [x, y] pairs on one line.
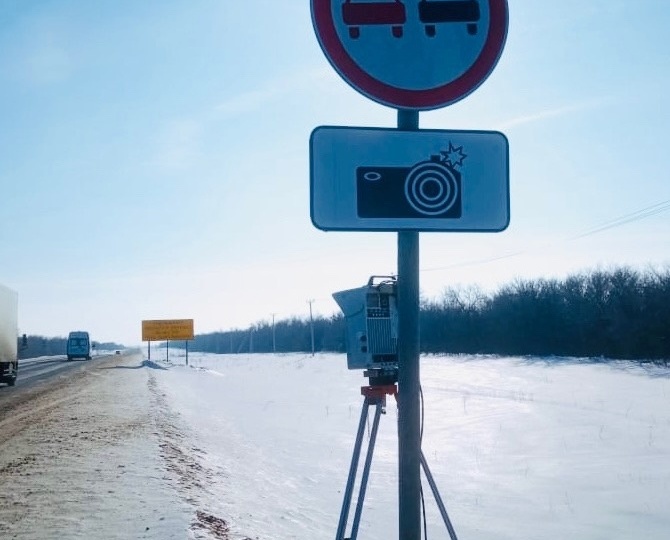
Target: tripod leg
[[366, 470], [346, 503], [438, 499]]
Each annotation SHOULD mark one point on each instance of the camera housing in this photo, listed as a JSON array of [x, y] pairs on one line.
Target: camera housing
[[371, 318], [429, 189]]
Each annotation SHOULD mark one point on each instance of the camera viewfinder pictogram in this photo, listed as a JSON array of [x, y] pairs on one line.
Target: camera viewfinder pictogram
[[428, 189]]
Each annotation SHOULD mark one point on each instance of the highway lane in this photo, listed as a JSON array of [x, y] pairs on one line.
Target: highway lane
[[43, 383], [34, 372]]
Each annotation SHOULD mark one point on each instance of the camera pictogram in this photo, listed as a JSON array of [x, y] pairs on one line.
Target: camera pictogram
[[429, 189]]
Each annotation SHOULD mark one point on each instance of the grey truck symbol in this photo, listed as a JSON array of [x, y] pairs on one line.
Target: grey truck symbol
[[393, 14]]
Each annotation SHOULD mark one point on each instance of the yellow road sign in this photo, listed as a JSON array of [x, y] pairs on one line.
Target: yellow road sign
[[169, 329]]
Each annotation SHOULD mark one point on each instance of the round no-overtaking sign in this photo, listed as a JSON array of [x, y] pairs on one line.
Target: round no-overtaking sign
[[412, 54]]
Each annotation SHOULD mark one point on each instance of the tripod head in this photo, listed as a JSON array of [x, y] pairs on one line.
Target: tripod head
[[382, 376]]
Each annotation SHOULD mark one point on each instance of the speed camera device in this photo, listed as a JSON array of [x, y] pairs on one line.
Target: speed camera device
[[371, 318]]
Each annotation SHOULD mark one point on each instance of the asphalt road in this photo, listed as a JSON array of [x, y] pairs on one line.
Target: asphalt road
[[34, 372]]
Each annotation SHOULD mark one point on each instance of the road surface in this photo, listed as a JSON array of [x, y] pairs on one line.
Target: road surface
[[91, 450], [34, 371]]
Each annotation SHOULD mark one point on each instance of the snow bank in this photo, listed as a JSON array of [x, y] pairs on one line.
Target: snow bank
[[520, 448]]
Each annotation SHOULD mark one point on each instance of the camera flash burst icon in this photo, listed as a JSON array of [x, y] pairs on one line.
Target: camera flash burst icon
[[453, 156]]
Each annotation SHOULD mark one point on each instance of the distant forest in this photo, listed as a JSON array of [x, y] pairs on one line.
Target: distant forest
[[45, 346], [620, 313]]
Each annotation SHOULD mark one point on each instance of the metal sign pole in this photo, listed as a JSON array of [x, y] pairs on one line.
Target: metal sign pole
[[409, 408]]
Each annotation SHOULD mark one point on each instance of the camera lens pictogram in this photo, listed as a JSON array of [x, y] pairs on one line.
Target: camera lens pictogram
[[431, 188]]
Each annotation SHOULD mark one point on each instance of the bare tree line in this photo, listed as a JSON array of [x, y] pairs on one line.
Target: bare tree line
[[36, 346], [617, 313], [620, 313]]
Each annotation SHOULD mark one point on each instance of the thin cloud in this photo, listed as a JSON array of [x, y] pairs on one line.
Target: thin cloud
[[48, 65], [37, 51], [554, 113], [272, 91], [179, 145], [179, 142]]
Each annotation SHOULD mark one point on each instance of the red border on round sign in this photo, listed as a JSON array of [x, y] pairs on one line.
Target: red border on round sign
[[430, 98]]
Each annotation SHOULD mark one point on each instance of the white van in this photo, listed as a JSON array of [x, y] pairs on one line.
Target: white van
[[78, 345]]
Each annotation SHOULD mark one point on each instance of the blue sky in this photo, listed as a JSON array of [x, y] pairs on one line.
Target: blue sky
[[154, 159]]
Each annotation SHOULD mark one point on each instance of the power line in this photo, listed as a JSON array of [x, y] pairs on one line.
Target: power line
[[475, 262], [625, 219], [644, 213]]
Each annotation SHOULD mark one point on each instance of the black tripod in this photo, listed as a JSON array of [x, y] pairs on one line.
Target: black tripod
[[376, 395]]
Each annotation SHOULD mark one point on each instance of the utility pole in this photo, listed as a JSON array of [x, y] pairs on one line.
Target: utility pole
[[274, 342], [311, 323], [251, 339]]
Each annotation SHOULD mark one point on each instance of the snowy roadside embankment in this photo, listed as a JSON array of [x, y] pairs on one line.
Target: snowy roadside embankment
[[99, 455], [519, 447]]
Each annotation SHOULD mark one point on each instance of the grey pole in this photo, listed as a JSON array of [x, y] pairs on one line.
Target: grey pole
[[274, 342], [311, 324], [409, 407]]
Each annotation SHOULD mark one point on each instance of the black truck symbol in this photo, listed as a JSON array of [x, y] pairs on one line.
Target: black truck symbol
[[357, 14], [449, 11], [392, 13]]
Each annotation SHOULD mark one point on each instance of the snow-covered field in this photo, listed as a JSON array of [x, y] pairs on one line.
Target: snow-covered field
[[520, 448]]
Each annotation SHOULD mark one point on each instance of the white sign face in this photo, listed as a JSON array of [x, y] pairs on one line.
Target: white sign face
[[413, 54], [370, 179]]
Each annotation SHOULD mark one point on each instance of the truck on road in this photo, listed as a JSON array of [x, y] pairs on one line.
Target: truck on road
[[78, 345], [9, 361]]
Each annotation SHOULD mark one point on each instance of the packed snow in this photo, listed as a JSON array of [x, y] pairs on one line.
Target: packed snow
[[519, 447]]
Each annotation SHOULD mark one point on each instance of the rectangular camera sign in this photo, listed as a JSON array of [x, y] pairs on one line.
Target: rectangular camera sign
[[367, 179]]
